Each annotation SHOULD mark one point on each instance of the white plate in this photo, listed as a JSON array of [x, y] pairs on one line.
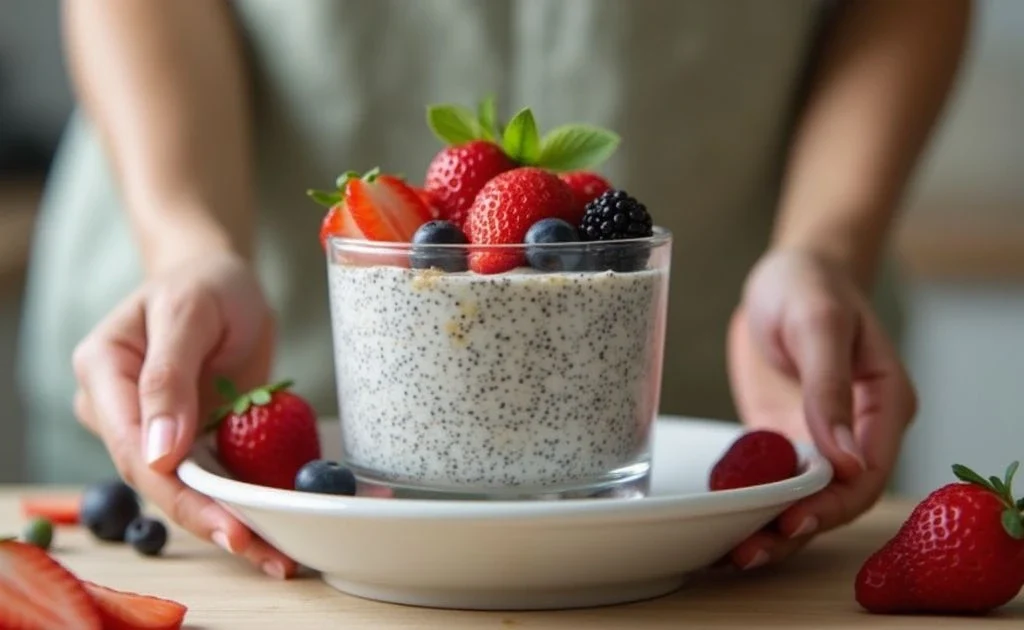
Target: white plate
[[512, 555]]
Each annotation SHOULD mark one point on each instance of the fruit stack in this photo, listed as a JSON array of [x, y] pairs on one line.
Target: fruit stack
[[497, 184]]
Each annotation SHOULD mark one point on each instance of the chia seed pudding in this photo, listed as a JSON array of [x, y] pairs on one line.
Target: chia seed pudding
[[496, 382]]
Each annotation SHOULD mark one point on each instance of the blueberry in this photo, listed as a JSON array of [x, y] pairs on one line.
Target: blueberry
[[108, 508], [552, 231], [38, 532], [439, 233], [147, 535], [325, 477]]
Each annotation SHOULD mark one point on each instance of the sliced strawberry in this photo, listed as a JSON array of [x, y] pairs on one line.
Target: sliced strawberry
[[58, 509], [386, 209], [130, 611], [37, 593], [338, 222], [429, 200]]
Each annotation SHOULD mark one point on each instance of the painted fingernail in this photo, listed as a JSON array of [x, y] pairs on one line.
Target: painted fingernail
[[759, 560], [844, 438], [808, 526], [220, 539], [274, 569], [160, 438]]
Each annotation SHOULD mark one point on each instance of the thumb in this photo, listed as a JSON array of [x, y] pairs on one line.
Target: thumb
[[819, 338], [181, 330]]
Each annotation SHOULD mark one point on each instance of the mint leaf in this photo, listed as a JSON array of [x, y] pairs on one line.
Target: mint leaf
[[1012, 523], [487, 114], [963, 473], [324, 198], [574, 147], [453, 124], [521, 139]]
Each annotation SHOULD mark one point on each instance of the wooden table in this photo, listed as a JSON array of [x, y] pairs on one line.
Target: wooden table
[[813, 590]]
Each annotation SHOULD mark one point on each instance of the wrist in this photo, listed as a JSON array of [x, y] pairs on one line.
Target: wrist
[[171, 235]]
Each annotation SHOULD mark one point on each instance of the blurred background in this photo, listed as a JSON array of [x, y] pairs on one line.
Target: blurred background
[[961, 241]]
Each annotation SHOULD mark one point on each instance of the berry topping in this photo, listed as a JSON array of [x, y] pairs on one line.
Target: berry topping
[[586, 187], [146, 535], [615, 216], [108, 508], [548, 231], [754, 459], [375, 206], [325, 477], [506, 208], [457, 173], [130, 611], [58, 509], [266, 435], [439, 233], [38, 532], [37, 592]]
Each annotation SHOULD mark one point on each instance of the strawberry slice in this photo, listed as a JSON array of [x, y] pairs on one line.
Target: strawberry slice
[[385, 208], [130, 611], [37, 593], [59, 510], [338, 222], [429, 201]]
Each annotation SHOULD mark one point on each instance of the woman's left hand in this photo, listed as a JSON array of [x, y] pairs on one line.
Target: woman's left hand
[[808, 358]]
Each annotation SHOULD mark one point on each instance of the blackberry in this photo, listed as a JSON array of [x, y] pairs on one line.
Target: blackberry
[[615, 216]]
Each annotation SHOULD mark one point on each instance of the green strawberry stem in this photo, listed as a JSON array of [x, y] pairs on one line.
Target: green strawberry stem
[[331, 198], [238, 403], [565, 148], [1013, 515]]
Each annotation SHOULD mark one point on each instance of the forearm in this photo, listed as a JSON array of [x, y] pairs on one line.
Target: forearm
[[881, 83], [164, 84]]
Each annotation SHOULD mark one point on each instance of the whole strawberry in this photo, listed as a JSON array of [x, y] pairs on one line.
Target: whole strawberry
[[457, 173], [506, 208], [266, 435], [755, 458], [586, 186], [961, 551]]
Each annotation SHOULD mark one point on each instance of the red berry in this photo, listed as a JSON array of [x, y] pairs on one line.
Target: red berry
[[265, 436], [385, 208], [130, 611], [961, 551], [37, 592], [428, 200], [754, 459], [505, 209], [58, 509], [457, 173], [338, 222], [586, 187]]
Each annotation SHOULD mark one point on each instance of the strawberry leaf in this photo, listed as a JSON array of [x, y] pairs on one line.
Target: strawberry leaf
[[487, 113], [324, 198], [260, 397], [521, 139], [343, 180], [963, 473], [1020, 504], [574, 147], [1011, 472], [226, 388], [241, 405], [997, 483], [1012, 523], [453, 124]]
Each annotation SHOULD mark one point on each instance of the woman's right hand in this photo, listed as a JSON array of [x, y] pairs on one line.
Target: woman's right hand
[[145, 382]]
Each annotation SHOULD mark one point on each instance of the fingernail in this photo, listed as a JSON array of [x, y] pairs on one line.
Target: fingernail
[[759, 560], [274, 569], [844, 438], [160, 438], [220, 539], [808, 526]]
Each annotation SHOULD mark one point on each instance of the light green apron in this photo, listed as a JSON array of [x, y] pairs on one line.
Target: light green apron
[[701, 91]]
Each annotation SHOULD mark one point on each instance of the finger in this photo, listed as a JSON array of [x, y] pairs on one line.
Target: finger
[[765, 548], [820, 336], [182, 328], [836, 505]]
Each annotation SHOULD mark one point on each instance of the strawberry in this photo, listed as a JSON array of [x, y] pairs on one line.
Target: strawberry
[[586, 187], [266, 435], [120, 610], [37, 593], [372, 206], [755, 458], [59, 510], [505, 209], [961, 551], [457, 173], [428, 200]]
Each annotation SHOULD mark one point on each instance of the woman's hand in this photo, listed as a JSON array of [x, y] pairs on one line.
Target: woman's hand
[[808, 358], [145, 384]]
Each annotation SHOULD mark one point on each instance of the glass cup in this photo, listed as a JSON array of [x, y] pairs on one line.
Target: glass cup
[[540, 381]]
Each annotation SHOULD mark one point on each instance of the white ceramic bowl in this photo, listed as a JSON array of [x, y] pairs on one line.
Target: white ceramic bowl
[[519, 555]]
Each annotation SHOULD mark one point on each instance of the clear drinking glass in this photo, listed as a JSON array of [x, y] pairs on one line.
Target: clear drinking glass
[[540, 382]]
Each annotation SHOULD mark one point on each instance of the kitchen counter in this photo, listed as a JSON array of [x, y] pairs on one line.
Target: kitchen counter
[[813, 590]]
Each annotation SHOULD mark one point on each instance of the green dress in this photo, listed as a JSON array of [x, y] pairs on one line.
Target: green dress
[[702, 93]]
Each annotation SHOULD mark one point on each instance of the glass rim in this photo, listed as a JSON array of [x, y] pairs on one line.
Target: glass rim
[[660, 237]]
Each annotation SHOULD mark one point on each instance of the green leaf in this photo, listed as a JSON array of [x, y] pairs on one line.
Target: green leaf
[[324, 198], [1011, 472], [963, 473], [487, 114], [1020, 504], [521, 139], [344, 178], [997, 483], [241, 405], [226, 388], [1012, 523], [260, 397], [453, 124], [574, 147], [280, 385]]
